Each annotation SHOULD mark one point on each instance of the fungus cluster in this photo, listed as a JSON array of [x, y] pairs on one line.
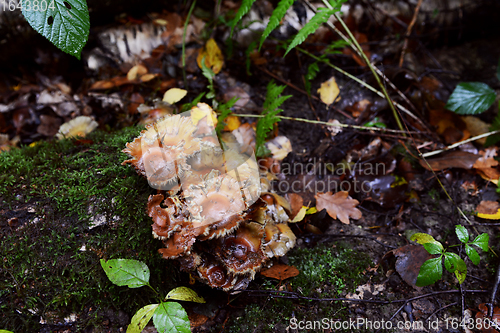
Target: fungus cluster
[[211, 211]]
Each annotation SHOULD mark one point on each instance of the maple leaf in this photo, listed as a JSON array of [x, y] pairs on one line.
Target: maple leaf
[[339, 205]]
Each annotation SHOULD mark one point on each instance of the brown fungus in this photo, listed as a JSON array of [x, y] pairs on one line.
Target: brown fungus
[[214, 213]]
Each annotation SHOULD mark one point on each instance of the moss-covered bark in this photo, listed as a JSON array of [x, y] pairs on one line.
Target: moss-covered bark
[[64, 205]]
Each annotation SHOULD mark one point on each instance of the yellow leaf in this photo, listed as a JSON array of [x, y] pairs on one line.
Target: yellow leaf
[[201, 111], [329, 91], [213, 56], [300, 215], [232, 123], [495, 216], [174, 95], [312, 210], [184, 294], [136, 71]]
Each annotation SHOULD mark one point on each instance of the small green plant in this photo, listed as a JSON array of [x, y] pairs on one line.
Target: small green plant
[[432, 269], [270, 112], [167, 316]]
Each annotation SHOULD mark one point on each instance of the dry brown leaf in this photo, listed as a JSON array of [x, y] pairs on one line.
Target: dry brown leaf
[[476, 126], [280, 272], [487, 165], [339, 205], [454, 159], [488, 207], [136, 71], [482, 317]]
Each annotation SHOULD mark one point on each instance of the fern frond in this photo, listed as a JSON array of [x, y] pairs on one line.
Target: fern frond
[[270, 112], [321, 16], [244, 8], [312, 71], [225, 110], [275, 18]]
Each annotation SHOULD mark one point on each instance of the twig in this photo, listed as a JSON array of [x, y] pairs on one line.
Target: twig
[[329, 124], [457, 144], [408, 32]]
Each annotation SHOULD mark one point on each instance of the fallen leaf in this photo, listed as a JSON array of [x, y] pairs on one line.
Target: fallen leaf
[[409, 259], [359, 107], [174, 95], [296, 203], [476, 126], [213, 56], [487, 165], [334, 128], [232, 123], [454, 159], [147, 77], [329, 91], [488, 210], [300, 215], [280, 147], [136, 71], [482, 317], [280, 272], [339, 205]]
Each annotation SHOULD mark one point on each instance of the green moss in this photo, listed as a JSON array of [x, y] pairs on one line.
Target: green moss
[[56, 190], [326, 271]]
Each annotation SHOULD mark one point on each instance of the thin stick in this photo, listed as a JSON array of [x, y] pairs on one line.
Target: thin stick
[[457, 144], [408, 32], [330, 124]]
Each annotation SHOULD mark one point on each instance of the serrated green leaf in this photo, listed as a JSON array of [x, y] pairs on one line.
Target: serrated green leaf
[[430, 272], [312, 72], [184, 294], [422, 238], [141, 318], [472, 254], [321, 16], [275, 18], [462, 233], [126, 272], [65, 23], [433, 248], [461, 271], [171, 317], [244, 8], [482, 241], [270, 112], [471, 98], [451, 261]]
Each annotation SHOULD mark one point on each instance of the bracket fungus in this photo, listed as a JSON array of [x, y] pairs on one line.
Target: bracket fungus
[[211, 212]]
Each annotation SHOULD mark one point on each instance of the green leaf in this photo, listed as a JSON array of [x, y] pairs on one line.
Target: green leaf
[[225, 110], [312, 72], [471, 98], [462, 233], [430, 272], [461, 271], [433, 248], [321, 16], [244, 8], [5, 331], [126, 272], [65, 23], [171, 317], [422, 238], [472, 254], [451, 261], [481, 241], [275, 18], [184, 294], [270, 111], [141, 318]]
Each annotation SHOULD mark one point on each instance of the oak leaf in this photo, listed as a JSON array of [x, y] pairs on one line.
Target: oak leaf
[[339, 205], [280, 272]]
